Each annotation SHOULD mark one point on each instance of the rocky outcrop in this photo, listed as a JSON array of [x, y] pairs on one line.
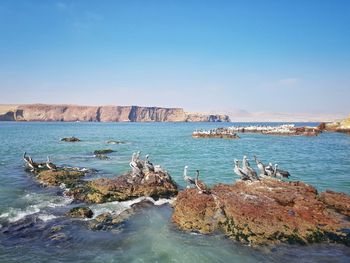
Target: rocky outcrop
[[125, 187], [71, 113], [80, 212], [342, 126], [265, 212]]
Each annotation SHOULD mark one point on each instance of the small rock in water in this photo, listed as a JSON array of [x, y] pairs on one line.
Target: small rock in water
[[80, 212], [70, 139], [103, 151], [101, 156]]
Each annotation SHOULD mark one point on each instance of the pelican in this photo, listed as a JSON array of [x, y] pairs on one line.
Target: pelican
[[189, 180], [200, 185], [29, 161], [260, 166], [148, 165], [50, 165], [269, 169], [281, 173], [248, 170], [135, 170], [237, 170]]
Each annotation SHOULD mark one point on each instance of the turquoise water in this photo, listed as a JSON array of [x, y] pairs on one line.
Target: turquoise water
[[28, 211]]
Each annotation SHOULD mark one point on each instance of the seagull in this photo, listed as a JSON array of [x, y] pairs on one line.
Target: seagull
[[50, 165], [248, 170], [281, 173], [260, 165], [239, 171], [189, 180], [200, 185], [136, 171]]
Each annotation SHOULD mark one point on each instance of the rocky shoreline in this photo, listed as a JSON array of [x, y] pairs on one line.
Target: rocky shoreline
[[262, 212]]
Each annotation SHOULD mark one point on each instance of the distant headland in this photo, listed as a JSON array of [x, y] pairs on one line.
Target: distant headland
[[72, 113]]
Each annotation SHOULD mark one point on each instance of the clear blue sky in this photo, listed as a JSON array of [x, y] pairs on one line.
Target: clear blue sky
[[282, 56]]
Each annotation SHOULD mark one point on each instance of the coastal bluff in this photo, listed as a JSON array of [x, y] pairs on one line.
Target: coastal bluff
[[72, 113]]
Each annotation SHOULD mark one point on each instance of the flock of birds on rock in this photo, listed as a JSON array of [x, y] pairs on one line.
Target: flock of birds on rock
[[246, 173], [142, 168], [34, 166]]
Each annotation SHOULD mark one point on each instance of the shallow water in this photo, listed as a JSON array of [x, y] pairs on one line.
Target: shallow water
[[28, 211]]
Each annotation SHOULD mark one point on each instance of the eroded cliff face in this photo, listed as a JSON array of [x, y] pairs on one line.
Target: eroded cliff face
[[44, 112]]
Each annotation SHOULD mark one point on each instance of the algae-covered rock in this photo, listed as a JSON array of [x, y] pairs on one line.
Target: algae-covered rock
[[125, 187], [263, 212], [67, 176], [80, 212]]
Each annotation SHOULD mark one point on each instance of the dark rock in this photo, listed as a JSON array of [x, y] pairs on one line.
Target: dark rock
[[80, 212], [104, 151], [101, 156], [70, 139]]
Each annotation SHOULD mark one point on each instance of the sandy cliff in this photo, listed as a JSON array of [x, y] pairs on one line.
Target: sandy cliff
[[45, 112]]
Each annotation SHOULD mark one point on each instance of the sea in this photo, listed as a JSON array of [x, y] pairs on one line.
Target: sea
[[30, 213]]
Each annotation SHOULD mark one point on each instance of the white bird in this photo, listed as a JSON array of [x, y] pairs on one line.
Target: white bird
[[148, 165], [189, 180], [248, 170], [29, 161], [200, 185], [50, 165], [281, 173], [260, 166], [269, 169], [237, 170]]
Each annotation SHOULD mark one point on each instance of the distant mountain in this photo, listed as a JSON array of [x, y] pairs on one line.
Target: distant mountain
[[238, 115], [71, 113]]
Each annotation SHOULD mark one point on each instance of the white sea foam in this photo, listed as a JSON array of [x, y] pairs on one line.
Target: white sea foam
[[117, 208], [38, 203], [46, 217]]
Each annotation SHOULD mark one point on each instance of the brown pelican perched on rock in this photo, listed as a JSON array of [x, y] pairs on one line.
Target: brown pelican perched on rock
[[269, 170], [189, 180], [50, 165], [200, 185], [260, 166], [29, 161], [281, 173], [148, 165], [248, 170], [136, 171], [239, 171]]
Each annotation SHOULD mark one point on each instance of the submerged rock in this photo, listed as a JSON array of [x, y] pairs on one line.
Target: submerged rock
[[103, 151], [80, 212], [101, 156], [70, 139], [265, 212], [125, 187]]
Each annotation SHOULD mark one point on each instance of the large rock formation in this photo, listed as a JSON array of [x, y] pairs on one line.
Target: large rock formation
[[43, 112], [266, 211], [342, 126], [125, 187]]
